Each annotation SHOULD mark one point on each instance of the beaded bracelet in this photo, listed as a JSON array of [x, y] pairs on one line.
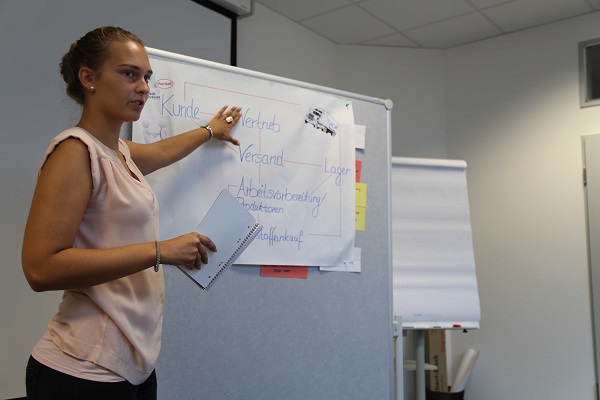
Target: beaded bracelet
[[157, 256]]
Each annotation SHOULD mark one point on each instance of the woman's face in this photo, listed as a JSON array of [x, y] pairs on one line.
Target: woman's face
[[121, 86]]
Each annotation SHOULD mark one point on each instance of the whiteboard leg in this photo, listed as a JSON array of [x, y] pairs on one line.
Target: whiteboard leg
[[399, 358], [420, 358]]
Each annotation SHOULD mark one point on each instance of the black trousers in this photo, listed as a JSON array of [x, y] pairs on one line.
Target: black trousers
[[44, 383]]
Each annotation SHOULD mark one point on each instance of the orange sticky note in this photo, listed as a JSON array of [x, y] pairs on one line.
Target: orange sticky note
[[284, 271], [358, 169]]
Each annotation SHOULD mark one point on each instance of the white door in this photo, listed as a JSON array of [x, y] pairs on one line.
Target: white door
[[591, 154]]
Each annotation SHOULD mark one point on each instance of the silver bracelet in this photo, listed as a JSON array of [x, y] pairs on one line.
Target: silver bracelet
[[209, 129], [157, 265]]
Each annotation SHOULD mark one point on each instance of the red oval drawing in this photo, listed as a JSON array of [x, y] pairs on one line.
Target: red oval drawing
[[164, 83]]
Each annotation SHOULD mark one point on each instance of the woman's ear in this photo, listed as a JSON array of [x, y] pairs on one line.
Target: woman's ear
[[87, 78]]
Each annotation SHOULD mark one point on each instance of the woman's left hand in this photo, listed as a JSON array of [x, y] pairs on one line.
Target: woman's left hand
[[221, 128]]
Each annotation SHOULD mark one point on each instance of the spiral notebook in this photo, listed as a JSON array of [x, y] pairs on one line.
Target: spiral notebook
[[232, 228]]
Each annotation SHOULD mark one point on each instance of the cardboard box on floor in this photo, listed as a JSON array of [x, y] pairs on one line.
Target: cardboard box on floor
[[435, 354]]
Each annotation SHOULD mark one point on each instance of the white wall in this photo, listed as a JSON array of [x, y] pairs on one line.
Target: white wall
[[414, 81], [270, 43], [513, 114]]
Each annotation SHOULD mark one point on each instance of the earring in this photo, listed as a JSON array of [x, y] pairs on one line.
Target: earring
[[92, 88]]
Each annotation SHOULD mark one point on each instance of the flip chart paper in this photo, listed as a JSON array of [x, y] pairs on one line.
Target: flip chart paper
[[294, 170], [434, 281]]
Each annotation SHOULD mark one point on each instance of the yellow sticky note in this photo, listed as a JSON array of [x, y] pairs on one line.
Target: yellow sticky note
[[360, 218], [361, 205], [361, 194]]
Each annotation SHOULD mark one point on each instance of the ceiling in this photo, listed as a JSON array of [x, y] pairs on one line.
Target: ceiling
[[432, 24]]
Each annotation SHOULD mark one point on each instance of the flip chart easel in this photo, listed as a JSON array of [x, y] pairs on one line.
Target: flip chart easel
[[435, 285]]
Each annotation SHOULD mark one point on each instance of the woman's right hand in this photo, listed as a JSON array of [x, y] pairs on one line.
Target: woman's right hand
[[189, 250]]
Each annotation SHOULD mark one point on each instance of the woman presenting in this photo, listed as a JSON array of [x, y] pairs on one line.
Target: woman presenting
[[93, 232]]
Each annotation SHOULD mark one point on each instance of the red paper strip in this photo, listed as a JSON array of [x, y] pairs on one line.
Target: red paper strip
[[284, 271], [358, 169]]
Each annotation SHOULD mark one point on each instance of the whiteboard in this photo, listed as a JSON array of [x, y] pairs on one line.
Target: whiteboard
[[435, 285], [325, 337]]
